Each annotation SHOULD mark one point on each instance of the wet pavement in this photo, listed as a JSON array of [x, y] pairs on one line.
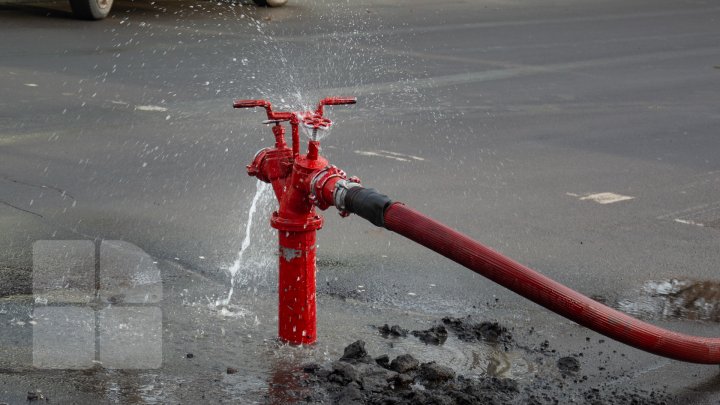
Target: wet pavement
[[579, 139]]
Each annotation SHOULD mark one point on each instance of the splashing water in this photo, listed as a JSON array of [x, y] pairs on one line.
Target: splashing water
[[342, 51], [255, 257]]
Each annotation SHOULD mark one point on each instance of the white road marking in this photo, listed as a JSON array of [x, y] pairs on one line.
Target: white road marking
[[401, 155], [150, 108], [389, 155], [369, 153], [31, 84], [688, 222], [602, 198]]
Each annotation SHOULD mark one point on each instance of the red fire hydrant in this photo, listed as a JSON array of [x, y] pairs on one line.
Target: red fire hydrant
[[297, 180]]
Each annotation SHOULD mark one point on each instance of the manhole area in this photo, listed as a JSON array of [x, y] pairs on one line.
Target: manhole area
[[674, 299]]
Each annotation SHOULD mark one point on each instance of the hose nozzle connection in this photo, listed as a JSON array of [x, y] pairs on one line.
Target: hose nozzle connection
[[330, 186], [342, 187]]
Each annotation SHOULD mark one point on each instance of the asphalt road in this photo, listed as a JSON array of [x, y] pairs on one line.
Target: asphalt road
[[502, 119]]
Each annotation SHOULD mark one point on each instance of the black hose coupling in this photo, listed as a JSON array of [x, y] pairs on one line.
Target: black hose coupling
[[365, 202]]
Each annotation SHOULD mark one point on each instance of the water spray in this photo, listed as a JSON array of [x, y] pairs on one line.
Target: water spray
[[304, 182]]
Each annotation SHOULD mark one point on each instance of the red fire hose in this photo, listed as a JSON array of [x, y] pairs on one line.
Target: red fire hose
[[546, 292]]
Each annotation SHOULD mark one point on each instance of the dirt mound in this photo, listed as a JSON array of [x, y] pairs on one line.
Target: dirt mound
[[436, 335], [392, 331], [359, 378], [568, 365], [469, 331], [404, 381]]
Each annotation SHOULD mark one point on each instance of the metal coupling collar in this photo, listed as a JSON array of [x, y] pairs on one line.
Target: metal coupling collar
[[341, 189]]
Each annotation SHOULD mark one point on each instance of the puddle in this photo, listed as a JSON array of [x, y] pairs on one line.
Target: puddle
[[674, 299]]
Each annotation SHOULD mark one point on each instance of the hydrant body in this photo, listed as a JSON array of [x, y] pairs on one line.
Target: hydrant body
[[291, 175], [297, 224]]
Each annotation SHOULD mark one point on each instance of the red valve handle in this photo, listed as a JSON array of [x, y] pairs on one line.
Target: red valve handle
[[250, 103], [334, 101], [275, 117], [339, 100]]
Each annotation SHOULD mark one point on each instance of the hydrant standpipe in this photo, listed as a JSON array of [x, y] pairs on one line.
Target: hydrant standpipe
[[304, 182], [290, 174]]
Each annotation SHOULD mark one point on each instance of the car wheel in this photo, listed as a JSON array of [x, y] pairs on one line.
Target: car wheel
[[91, 9], [270, 3]]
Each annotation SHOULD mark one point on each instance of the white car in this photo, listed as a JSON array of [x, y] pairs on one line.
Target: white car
[[99, 9]]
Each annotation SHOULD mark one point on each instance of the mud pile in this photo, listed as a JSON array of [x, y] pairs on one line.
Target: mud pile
[[358, 378], [361, 378]]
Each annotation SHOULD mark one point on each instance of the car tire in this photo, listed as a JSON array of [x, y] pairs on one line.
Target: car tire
[[91, 9], [270, 3]]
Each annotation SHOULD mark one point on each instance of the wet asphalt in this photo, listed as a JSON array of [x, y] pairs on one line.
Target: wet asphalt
[[502, 119]]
